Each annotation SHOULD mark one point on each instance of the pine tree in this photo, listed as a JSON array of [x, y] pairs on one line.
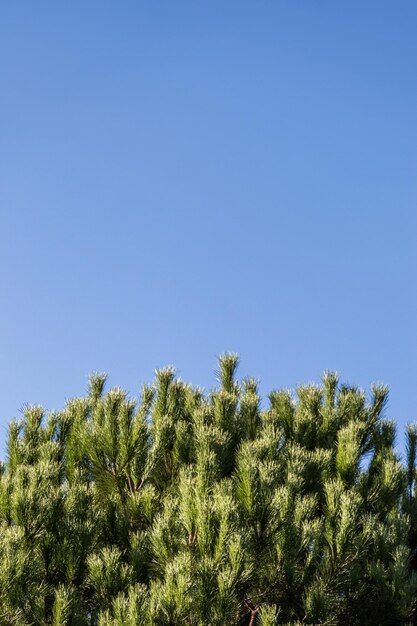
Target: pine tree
[[203, 509]]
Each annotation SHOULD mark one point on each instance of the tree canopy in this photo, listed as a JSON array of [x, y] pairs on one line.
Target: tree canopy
[[209, 509]]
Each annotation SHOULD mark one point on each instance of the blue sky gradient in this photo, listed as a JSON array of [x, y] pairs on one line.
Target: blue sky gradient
[[178, 179]]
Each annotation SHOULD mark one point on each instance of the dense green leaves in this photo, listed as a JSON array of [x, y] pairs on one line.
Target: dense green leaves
[[208, 510]]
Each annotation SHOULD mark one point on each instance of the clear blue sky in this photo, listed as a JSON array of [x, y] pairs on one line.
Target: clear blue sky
[[178, 179]]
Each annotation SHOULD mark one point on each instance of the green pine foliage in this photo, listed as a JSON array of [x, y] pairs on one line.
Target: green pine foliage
[[195, 509]]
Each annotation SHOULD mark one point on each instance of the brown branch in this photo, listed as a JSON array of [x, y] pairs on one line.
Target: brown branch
[[252, 610], [253, 615]]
